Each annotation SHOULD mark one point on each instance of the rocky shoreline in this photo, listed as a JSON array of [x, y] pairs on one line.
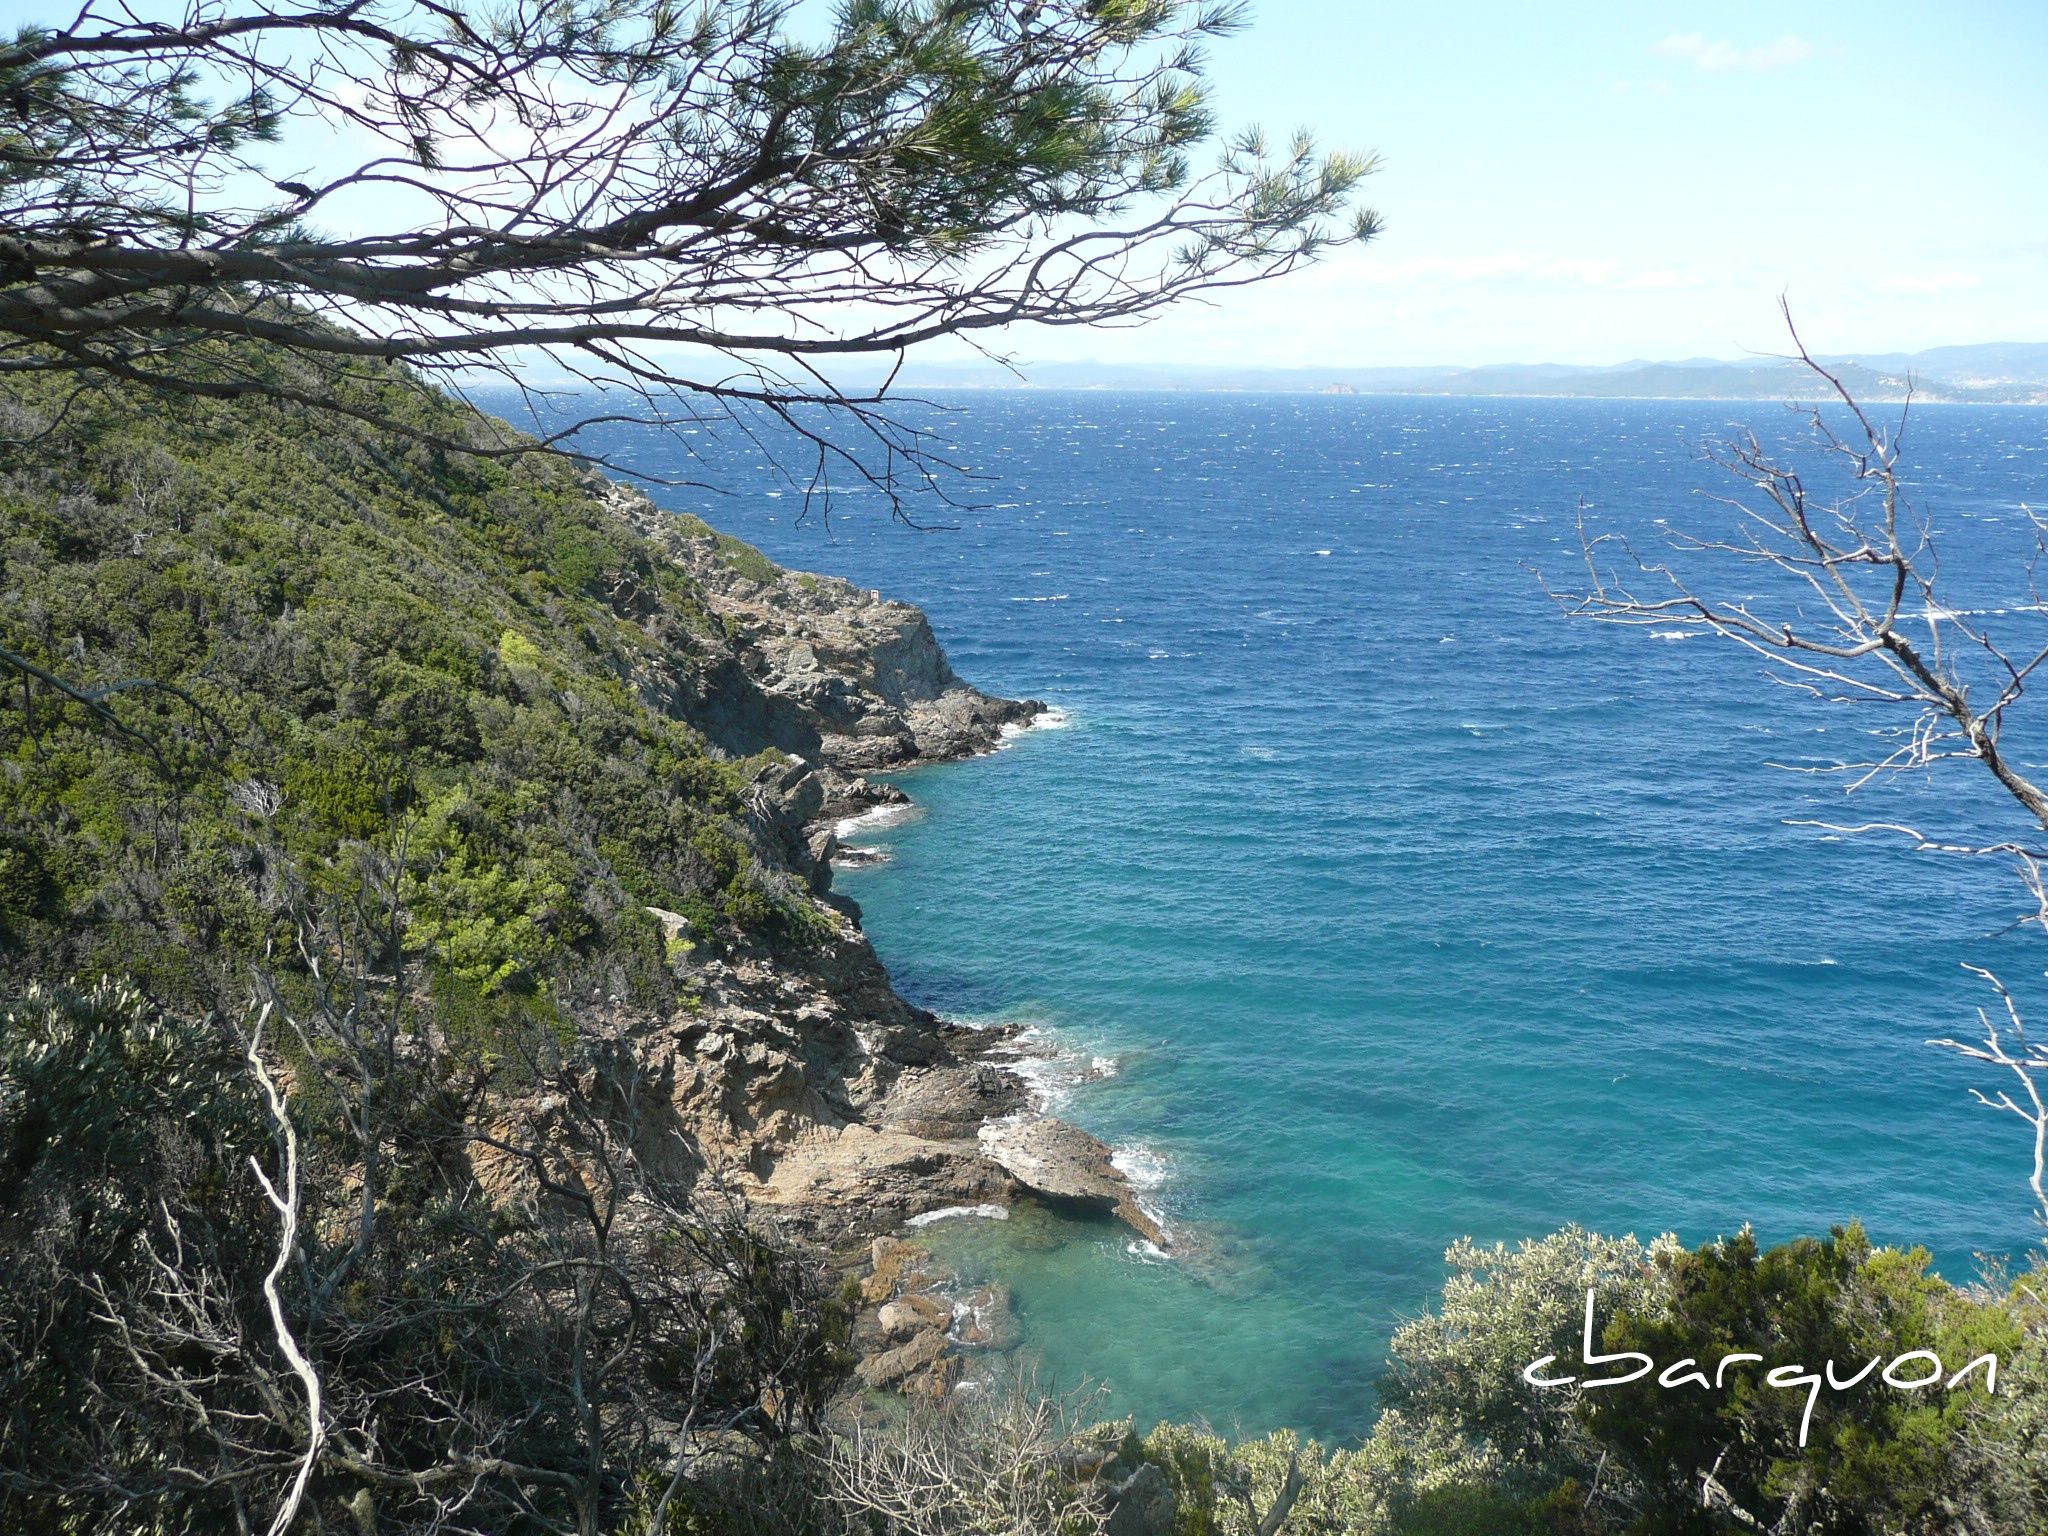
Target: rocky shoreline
[[801, 1076]]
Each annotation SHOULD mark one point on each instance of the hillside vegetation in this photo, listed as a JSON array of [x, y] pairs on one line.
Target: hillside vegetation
[[326, 950]]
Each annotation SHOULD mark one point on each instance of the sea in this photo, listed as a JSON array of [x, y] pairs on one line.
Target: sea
[[1365, 899]]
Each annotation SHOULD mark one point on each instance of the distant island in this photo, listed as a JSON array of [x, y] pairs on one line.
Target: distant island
[[2006, 373]]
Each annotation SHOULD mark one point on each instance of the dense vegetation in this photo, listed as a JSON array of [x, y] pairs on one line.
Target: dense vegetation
[[374, 756], [365, 855], [368, 657], [1465, 1444]]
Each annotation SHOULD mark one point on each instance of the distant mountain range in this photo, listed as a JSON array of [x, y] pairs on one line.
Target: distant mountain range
[[1999, 372]]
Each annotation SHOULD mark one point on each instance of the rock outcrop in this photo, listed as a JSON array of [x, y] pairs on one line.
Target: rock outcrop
[[798, 1072], [829, 672], [1063, 1165]]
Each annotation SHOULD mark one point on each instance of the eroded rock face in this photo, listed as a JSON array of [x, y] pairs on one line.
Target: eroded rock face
[[895, 1367], [830, 672], [1143, 1504], [1063, 1164], [796, 1071]]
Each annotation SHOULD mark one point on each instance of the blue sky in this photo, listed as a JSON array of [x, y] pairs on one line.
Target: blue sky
[[1591, 183]]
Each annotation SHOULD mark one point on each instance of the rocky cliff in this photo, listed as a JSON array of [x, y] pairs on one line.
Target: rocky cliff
[[577, 758], [801, 1072], [838, 676]]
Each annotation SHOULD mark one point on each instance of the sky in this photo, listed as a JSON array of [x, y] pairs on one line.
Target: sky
[[1597, 182]]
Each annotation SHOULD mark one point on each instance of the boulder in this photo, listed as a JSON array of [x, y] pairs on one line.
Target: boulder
[[1142, 1504], [907, 1316], [1064, 1165], [893, 1367], [892, 1263]]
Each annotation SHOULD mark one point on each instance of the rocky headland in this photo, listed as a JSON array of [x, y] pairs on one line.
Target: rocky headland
[[801, 1075]]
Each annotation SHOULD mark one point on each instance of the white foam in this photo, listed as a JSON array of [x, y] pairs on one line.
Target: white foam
[[1145, 1168], [861, 856], [1050, 1071], [1323, 554], [1044, 720], [948, 1213], [871, 819], [1672, 634]]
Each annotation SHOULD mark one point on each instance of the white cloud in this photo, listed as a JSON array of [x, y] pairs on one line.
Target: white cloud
[[1719, 57]]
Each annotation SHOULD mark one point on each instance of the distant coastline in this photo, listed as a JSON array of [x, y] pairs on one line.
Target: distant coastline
[[1996, 373]]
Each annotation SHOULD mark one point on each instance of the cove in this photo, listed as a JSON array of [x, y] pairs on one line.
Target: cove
[[1371, 903]]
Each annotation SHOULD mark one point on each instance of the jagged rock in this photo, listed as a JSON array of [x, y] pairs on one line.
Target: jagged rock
[[850, 794], [1143, 1504], [883, 1248], [823, 669], [1064, 1165], [954, 1099], [892, 1367], [910, 1314], [892, 1261], [855, 1179]]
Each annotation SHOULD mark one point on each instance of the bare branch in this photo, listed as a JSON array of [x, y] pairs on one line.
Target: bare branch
[[1862, 621], [286, 1202]]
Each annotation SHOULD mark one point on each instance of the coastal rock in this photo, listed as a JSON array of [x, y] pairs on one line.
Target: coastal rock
[[953, 1099], [827, 671], [859, 1178], [909, 1315], [1064, 1165], [894, 1367], [1143, 1504], [851, 795], [795, 1070], [888, 1255], [987, 1319]]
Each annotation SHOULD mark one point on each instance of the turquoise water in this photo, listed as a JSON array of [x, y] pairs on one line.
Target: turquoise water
[[1401, 907]]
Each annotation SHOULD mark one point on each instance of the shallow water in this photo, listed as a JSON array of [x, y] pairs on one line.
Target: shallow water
[[1404, 907]]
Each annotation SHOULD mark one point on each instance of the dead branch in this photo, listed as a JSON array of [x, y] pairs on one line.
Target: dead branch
[[285, 1201], [1863, 621]]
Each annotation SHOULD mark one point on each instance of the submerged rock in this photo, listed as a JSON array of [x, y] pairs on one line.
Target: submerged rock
[[1064, 1165], [987, 1320]]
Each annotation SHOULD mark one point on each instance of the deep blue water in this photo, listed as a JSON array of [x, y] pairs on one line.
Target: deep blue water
[[1405, 907]]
